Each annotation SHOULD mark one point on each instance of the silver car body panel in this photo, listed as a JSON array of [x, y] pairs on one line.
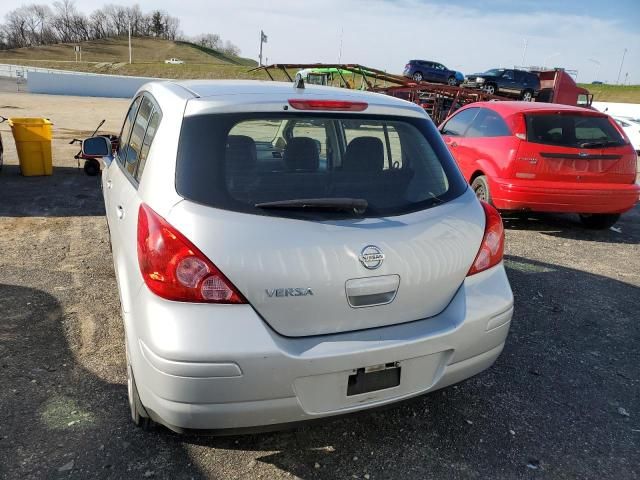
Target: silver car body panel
[[430, 251], [181, 355]]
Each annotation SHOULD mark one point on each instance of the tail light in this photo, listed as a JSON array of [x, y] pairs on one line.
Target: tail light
[[173, 268], [520, 126], [328, 105], [492, 247]]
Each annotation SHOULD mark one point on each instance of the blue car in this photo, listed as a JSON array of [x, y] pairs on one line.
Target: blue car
[[428, 71]]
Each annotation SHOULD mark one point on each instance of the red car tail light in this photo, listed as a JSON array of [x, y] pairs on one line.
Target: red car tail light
[[492, 246], [173, 268], [347, 106], [520, 126]]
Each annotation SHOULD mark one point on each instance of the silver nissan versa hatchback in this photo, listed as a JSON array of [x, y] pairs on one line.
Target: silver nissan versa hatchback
[[285, 254]]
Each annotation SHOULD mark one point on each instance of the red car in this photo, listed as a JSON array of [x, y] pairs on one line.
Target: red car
[[527, 156]]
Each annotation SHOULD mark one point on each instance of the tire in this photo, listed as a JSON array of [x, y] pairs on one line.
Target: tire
[[599, 221], [480, 187], [491, 89], [138, 413], [92, 167], [451, 81], [417, 76], [527, 96]]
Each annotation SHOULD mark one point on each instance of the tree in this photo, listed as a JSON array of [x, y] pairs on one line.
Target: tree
[[38, 24], [230, 49], [157, 23]]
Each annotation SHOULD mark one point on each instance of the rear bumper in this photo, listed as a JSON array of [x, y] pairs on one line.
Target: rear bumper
[[222, 367], [564, 197]]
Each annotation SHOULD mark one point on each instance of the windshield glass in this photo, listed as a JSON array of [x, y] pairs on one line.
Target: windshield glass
[[495, 72], [569, 130], [241, 162]]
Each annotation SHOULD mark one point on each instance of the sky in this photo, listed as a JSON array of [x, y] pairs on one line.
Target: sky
[[589, 36]]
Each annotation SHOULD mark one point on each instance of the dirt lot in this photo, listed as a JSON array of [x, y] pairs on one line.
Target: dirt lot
[[562, 402]]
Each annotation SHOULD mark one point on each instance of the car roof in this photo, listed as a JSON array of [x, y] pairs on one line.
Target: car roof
[[226, 95], [511, 107]]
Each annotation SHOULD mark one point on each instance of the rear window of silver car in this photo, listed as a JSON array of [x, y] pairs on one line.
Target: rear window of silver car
[[239, 162]]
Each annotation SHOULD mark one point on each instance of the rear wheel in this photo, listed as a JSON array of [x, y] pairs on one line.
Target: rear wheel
[[480, 186], [599, 221], [417, 76], [527, 95], [451, 81]]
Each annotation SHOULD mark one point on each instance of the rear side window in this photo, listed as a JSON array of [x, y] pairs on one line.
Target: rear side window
[[131, 153], [458, 124], [569, 130], [237, 161], [488, 124], [152, 128], [126, 128]]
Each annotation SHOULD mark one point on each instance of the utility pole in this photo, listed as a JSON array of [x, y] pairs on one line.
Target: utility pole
[[593, 60], [621, 63], [263, 39], [340, 52], [129, 41]]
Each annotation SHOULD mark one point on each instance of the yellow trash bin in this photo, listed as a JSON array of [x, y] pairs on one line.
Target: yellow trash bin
[[33, 143]]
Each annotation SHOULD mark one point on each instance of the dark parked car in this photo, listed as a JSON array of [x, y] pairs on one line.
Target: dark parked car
[[428, 71], [505, 81]]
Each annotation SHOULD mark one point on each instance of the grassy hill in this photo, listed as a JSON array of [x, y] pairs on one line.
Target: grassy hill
[[614, 93], [112, 56]]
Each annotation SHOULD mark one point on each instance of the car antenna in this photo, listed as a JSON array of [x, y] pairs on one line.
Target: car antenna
[[298, 82]]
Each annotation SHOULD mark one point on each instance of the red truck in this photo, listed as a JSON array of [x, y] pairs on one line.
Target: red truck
[[557, 86]]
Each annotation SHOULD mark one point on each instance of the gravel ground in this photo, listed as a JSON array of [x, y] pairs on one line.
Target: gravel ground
[[562, 402]]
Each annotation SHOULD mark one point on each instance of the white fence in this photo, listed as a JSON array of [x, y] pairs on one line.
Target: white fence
[[22, 71], [85, 85], [65, 82]]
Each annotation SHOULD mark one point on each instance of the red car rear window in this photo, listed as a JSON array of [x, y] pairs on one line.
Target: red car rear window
[[572, 130]]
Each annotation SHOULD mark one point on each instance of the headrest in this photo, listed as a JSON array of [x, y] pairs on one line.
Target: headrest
[[364, 154], [302, 153], [241, 152]]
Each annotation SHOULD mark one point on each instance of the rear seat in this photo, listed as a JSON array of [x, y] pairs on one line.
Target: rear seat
[[363, 174], [302, 178]]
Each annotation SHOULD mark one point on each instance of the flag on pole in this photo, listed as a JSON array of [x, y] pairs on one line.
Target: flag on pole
[[263, 37]]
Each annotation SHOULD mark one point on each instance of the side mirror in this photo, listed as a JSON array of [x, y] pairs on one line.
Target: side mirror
[[98, 147]]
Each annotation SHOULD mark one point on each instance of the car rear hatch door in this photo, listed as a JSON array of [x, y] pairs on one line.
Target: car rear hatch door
[[319, 277], [574, 146]]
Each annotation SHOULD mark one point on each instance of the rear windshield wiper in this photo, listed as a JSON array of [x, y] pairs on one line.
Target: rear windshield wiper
[[355, 205], [599, 143]]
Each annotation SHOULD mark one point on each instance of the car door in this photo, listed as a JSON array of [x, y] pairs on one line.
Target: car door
[[453, 132], [125, 200], [489, 145], [429, 72], [110, 175], [507, 82], [440, 73]]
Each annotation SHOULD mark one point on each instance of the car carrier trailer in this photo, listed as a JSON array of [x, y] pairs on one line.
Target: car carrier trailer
[[439, 101]]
